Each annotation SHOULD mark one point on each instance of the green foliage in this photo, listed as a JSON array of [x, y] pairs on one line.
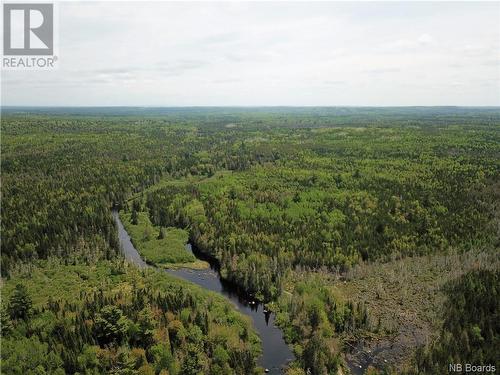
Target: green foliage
[[270, 193], [314, 318], [471, 327], [134, 219], [110, 326], [328, 198], [163, 357], [146, 323], [169, 249], [20, 303], [5, 322], [29, 356], [193, 363], [126, 324]]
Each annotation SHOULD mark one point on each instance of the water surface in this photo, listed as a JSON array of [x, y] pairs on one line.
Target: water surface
[[276, 353]]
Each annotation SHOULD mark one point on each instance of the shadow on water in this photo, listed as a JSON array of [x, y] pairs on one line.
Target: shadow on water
[[276, 353]]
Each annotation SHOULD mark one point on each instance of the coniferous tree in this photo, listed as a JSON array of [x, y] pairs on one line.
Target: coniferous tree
[[20, 303], [134, 217]]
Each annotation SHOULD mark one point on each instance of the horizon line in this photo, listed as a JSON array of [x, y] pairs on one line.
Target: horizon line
[[251, 106]]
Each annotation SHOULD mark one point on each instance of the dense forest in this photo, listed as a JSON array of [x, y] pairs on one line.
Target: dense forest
[[469, 334], [117, 320], [286, 201]]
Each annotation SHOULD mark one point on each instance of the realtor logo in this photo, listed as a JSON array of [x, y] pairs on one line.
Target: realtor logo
[[29, 36], [28, 29]]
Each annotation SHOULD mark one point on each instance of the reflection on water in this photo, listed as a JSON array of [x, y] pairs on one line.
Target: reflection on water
[[276, 353]]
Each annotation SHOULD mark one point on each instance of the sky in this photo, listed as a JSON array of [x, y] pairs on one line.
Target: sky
[[262, 53]]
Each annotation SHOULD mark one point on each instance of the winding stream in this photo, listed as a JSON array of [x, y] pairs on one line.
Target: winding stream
[[276, 353]]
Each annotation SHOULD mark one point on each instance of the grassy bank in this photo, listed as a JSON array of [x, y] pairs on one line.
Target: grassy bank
[[166, 250]]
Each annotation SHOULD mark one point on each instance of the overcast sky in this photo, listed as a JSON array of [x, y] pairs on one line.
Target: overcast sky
[[178, 54]]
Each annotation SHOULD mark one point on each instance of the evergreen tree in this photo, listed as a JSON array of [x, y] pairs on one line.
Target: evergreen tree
[[134, 217], [20, 303], [6, 324], [161, 233], [111, 325]]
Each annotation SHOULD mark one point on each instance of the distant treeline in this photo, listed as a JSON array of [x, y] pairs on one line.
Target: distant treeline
[[269, 192]]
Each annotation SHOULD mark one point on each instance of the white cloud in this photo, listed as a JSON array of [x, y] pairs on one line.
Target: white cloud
[[169, 54], [425, 39]]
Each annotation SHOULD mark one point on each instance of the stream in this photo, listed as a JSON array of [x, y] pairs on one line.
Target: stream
[[275, 352]]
